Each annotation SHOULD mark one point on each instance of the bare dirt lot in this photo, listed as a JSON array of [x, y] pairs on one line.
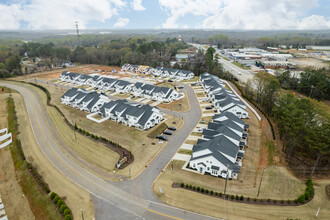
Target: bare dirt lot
[[310, 62], [74, 196], [10, 190]]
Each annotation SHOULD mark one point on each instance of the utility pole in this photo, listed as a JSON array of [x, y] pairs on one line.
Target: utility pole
[[172, 165], [262, 174], [77, 29], [226, 182]]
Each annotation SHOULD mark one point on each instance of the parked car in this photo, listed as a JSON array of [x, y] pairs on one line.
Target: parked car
[[132, 97], [169, 80], [161, 137], [171, 128], [167, 132], [208, 108], [180, 87]]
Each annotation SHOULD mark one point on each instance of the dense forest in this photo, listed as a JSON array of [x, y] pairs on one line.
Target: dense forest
[[303, 123]]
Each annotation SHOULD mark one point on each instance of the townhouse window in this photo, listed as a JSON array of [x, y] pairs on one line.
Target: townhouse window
[[208, 168]]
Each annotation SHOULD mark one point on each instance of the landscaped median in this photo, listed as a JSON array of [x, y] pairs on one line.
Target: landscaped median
[[304, 198]]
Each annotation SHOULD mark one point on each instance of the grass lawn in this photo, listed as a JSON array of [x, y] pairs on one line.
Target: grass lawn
[[124, 95], [197, 134], [185, 151], [200, 94], [277, 183], [166, 84], [206, 120], [240, 65], [195, 79], [143, 148], [190, 142], [181, 105]]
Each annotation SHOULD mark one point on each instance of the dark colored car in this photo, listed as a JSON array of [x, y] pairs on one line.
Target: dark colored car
[[161, 137], [171, 128], [167, 132], [169, 80], [208, 108]]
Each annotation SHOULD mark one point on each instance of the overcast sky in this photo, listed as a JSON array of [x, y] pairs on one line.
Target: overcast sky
[[151, 14]]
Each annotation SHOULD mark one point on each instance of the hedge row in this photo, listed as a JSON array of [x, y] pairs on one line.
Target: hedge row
[[43, 89], [61, 206], [38, 177], [255, 105], [301, 199], [308, 191]]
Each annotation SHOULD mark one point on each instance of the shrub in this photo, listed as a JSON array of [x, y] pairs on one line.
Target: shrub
[[96, 137], [182, 185], [301, 198], [232, 196], [261, 200], [237, 197], [60, 202], [63, 208], [255, 199], [248, 198], [241, 198], [75, 126], [87, 133], [92, 136], [296, 201], [83, 131], [187, 186], [52, 195], [66, 212], [289, 201], [207, 191], [202, 190], [216, 193], [220, 194], [268, 200], [211, 192], [68, 217], [56, 198], [275, 201], [227, 196], [282, 201], [194, 188], [190, 187], [198, 189], [80, 130]]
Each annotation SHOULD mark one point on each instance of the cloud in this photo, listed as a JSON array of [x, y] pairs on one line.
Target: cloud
[[121, 22], [8, 16], [59, 14], [137, 5], [245, 14]]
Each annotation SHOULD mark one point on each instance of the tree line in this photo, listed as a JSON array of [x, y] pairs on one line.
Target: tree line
[[303, 128]]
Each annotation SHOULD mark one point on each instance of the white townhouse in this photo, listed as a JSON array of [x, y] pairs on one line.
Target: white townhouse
[[219, 157], [173, 73], [142, 117], [69, 76], [165, 94]]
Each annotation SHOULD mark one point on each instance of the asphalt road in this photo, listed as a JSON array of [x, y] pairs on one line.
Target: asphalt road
[[132, 199]]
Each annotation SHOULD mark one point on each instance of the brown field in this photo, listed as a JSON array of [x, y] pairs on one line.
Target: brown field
[[10, 190], [278, 183], [310, 63], [200, 94], [134, 140], [74, 196]]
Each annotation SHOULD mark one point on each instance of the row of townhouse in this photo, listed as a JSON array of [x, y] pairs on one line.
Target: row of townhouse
[[159, 71], [224, 100], [220, 151], [104, 83], [137, 69], [140, 116]]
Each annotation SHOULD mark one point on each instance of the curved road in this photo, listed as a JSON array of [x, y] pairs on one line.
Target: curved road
[[132, 199]]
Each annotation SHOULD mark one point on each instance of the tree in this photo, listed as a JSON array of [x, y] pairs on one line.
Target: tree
[[13, 63]]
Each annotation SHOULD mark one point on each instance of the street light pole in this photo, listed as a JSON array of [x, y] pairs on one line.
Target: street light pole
[[74, 130], [82, 214]]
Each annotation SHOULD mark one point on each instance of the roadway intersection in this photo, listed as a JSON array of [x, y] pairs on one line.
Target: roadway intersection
[[132, 199]]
